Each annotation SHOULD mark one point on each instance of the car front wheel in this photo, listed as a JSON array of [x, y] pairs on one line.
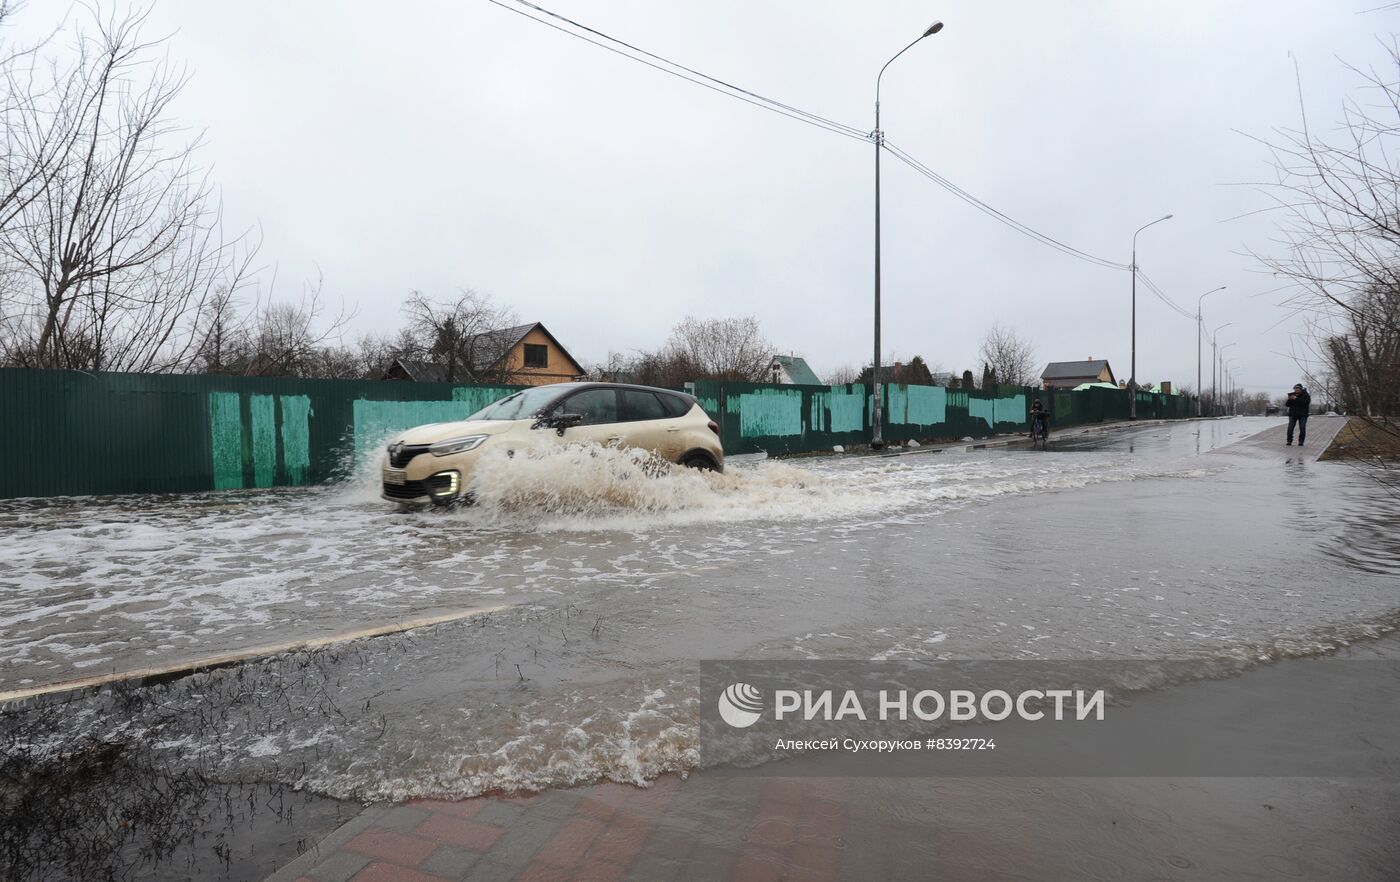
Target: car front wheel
[[698, 461]]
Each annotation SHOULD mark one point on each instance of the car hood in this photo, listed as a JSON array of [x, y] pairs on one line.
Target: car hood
[[434, 432]]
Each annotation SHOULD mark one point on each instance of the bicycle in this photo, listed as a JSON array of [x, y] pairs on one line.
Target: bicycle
[[1040, 432]]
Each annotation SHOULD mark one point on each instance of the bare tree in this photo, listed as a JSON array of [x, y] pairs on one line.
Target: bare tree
[[1255, 404], [1364, 358], [110, 239], [222, 329], [462, 335], [272, 338], [33, 137], [842, 375], [1337, 194], [709, 349], [1007, 358], [666, 367], [618, 367], [287, 340], [375, 353], [724, 349]]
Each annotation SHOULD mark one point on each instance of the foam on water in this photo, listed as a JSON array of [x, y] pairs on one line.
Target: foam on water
[[590, 487], [232, 723], [768, 560], [152, 579]]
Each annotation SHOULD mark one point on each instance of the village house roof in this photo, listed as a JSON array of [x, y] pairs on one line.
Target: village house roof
[[1071, 370], [797, 370]]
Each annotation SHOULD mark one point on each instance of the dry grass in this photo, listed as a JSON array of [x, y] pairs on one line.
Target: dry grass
[[1366, 438]]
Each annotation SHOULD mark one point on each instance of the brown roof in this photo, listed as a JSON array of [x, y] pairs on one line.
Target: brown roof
[[1073, 370], [487, 349]]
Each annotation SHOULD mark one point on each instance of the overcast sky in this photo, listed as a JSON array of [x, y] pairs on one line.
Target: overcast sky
[[431, 146]]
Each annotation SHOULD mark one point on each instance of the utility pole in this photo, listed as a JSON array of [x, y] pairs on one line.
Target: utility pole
[[1214, 363], [877, 440], [1200, 332], [1132, 371], [1223, 378]]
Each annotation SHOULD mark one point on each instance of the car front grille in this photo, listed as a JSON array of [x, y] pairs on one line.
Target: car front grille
[[418, 489], [401, 454], [406, 490], [439, 483]]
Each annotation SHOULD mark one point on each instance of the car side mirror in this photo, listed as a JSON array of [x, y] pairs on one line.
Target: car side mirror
[[559, 421]]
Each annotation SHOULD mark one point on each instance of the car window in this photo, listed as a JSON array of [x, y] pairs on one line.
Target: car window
[[675, 405], [597, 406], [519, 405], [638, 405]]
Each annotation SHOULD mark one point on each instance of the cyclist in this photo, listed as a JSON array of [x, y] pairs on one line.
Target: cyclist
[[1040, 420]]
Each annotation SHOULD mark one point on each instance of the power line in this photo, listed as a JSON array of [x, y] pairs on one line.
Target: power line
[[788, 107], [1161, 295], [1001, 216], [680, 71], [569, 26]]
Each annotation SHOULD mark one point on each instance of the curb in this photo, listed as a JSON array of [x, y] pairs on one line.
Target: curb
[[252, 653], [332, 841], [1017, 440]]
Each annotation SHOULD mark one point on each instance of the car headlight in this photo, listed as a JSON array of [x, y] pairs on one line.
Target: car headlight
[[457, 445]]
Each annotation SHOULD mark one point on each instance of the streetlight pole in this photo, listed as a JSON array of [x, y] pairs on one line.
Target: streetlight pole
[[1230, 387], [1132, 372], [1223, 380], [1214, 363], [877, 440], [1200, 332]]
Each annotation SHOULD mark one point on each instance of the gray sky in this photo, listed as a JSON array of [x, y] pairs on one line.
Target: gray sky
[[437, 145]]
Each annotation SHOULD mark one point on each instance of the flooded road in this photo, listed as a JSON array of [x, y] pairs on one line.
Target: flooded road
[[1166, 541], [89, 586]]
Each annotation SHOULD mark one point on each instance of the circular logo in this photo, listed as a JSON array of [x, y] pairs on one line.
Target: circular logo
[[741, 705]]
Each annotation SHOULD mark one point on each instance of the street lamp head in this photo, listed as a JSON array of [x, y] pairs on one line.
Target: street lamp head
[[933, 29]]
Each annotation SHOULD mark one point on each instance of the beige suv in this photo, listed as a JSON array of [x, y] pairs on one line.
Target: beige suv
[[434, 463]]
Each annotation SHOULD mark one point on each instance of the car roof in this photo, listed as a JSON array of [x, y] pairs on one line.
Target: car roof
[[600, 385]]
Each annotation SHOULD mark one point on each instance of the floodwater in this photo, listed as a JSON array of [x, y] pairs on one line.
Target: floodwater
[[1193, 540]]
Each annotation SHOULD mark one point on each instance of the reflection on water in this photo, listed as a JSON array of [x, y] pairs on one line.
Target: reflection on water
[[127, 583], [1367, 536], [110, 786], [1341, 510], [1082, 553]]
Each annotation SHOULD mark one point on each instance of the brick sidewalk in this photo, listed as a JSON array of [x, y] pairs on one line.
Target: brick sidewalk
[[715, 827], [748, 830]]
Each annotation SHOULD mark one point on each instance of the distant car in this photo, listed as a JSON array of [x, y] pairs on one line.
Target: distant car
[[1272, 410], [435, 463]]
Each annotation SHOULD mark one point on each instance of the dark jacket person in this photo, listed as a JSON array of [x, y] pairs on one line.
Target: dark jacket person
[[1298, 403]]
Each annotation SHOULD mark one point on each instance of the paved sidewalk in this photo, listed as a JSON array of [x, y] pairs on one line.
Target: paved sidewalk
[[714, 828], [757, 829], [1022, 438]]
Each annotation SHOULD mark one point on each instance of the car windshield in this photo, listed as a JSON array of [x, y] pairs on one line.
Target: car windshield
[[520, 405]]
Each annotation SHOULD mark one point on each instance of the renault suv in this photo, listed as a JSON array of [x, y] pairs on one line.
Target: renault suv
[[434, 463]]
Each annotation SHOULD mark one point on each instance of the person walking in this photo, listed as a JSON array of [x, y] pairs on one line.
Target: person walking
[[1298, 403]]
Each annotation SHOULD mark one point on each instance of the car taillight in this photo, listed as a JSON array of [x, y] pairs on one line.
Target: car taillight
[[714, 427]]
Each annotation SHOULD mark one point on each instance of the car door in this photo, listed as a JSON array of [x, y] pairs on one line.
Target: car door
[[599, 409], [648, 423]]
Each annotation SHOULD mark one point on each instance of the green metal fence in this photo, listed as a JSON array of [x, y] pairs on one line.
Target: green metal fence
[[67, 433], [756, 417]]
